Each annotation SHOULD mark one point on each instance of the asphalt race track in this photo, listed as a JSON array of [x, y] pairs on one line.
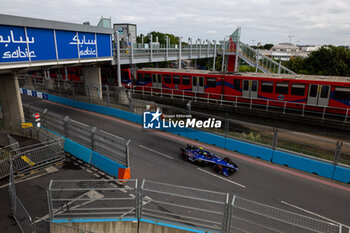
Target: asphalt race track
[[155, 155]]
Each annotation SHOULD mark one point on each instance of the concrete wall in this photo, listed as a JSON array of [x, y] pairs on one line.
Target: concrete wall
[[113, 226], [92, 76], [10, 99]]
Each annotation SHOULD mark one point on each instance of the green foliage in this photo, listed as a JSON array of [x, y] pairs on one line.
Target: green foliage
[[246, 68], [161, 38], [328, 60]]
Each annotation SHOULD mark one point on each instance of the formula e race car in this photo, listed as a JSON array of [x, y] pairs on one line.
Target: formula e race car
[[202, 157]]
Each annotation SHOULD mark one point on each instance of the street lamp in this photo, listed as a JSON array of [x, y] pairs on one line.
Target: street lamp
[[290, 41]]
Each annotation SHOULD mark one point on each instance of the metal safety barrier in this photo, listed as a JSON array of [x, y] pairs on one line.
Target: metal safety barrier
[[187, 207], [105, 143], [92, 199]]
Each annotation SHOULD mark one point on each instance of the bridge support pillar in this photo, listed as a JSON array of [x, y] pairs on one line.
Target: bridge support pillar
[[92, 76], [10, 99]]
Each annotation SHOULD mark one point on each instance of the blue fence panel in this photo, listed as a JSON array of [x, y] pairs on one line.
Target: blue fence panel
[[106, 164], [206, 137], [77, 150], [302, 163], [342, 173], [97, 108], [249, 149]]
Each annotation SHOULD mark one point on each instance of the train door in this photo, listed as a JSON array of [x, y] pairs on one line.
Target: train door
[[198, 84], [250, 88], [157, 80], [318, 94]]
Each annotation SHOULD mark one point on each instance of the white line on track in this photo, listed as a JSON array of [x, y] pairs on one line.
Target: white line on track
[[238, 184], [309, 212], [167, 156], [30, 178]]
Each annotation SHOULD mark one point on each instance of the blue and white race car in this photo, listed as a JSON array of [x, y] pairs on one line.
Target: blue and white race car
[[203, 158]]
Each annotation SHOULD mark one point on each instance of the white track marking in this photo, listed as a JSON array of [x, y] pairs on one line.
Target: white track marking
[[29, 178], [309, 212], [238, 184], [166, 156]]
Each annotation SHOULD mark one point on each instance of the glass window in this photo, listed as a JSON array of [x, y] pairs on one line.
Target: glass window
[[194, 81], [342, 93], [254, 85], [159, 78], [237, 84], [201, 81], [324, 91], [313, 90], [298, 89], [176, 79], [282, 88], [125, 75], [147, 77], [186, 80], [139, 76], [266, 87], [167, 79], [211, 82], [245, 85]]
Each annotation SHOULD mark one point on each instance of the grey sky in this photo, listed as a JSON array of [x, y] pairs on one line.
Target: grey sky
[[265, 21]]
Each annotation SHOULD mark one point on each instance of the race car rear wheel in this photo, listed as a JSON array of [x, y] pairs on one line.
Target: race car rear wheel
[[218, 169]]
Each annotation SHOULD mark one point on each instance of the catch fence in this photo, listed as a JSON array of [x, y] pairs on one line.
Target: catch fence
[[176, 205], [105, 143]]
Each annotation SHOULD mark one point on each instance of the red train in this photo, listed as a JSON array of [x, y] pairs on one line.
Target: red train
[[277, 89]]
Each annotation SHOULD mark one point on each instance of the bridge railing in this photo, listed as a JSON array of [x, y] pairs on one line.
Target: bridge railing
[[264, 63]]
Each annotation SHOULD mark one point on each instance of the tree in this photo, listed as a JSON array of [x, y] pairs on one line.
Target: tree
[[328, 60]]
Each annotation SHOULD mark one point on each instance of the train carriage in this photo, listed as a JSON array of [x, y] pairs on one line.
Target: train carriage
[[290, 91]]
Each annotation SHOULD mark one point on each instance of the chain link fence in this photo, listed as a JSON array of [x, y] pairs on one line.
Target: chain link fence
[[92, 198], [183, 205], [250, 216], [176, 205], [105, 143]]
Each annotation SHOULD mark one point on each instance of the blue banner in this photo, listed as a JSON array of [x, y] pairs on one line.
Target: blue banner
[[19, 44], [104, 45], [13, 44], [66, 44], [87, 45], [44, 44]]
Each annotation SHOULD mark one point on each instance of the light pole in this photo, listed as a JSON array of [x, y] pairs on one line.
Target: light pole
[[290, 41], [214, 58]]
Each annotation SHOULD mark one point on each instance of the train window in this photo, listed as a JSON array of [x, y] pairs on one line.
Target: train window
[[159, 78], [147, 77], [282, 88], [176, 79], [237, 84], [266, 87], [254, 85], [125, 75], [324, 91], [245, 85], [201, 81], [194, 82], [139, 77], [186, 80], [342, 93], [313, 90], [167, 79], [298, 89], [211, 82]]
